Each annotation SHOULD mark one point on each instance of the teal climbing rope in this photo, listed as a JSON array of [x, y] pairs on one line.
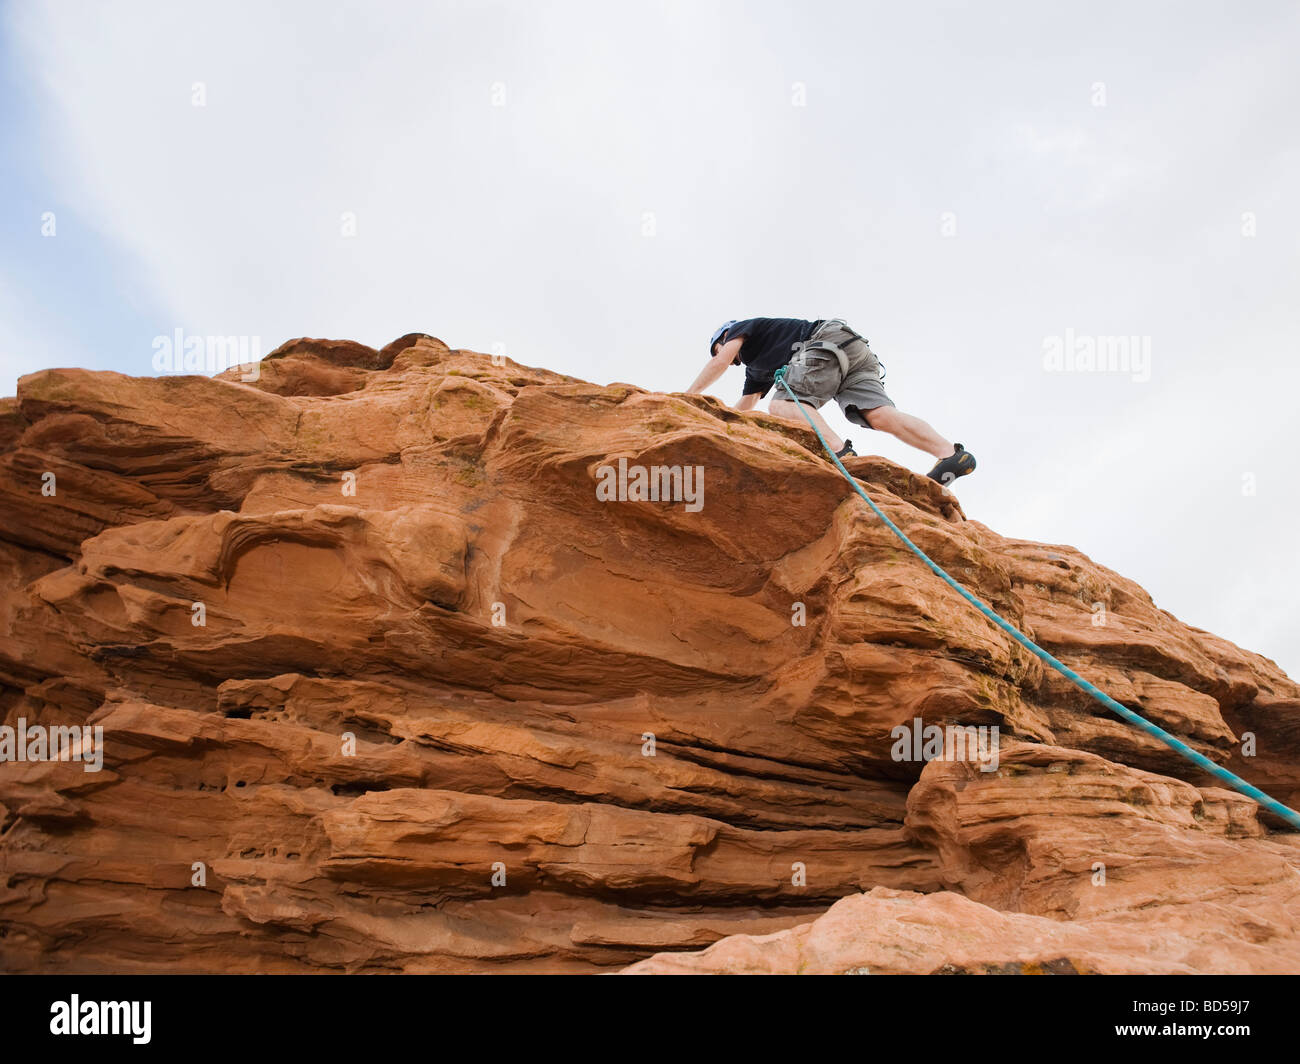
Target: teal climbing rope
[[1137, 720]]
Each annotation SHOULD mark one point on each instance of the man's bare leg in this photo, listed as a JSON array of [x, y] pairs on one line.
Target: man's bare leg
[[789, 410], [911, 430]]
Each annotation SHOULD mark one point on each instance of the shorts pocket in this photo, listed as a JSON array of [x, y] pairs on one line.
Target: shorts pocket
[[814, 375]]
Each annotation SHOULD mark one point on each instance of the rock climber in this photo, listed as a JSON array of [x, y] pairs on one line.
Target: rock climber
[[827, 360]]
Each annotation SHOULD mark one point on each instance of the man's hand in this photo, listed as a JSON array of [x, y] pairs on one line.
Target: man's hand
[[715, 367]]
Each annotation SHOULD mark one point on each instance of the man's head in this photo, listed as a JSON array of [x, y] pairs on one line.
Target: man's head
[[719, 335]]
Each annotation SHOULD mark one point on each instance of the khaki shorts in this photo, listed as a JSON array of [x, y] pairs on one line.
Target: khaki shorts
[[816, 375]]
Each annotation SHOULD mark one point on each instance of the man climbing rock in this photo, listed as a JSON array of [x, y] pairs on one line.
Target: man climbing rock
[[827, 360]]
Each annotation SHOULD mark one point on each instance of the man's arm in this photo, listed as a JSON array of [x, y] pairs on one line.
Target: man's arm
[[747, 402], [716, 366]]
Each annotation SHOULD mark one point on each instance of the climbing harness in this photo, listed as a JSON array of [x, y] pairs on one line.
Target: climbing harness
[[816, 344], [1138, 721]]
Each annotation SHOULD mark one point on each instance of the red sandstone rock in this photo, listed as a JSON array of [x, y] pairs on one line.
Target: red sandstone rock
[[411, 732]]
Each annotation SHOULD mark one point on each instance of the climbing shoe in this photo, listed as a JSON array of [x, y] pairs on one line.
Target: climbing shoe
[[847, 451], [958, 464]]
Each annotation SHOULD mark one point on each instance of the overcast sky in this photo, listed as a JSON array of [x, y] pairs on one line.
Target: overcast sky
[[595, 187]]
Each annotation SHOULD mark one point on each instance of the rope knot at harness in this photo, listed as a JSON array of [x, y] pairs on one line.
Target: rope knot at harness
[[1123, 712]]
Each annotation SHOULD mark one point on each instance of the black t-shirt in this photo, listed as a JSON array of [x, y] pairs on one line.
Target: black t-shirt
[[769, 345]]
